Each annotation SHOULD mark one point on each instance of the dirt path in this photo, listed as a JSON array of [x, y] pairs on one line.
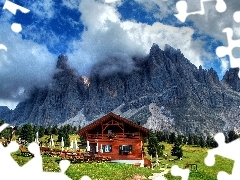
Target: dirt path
[[159, 176]]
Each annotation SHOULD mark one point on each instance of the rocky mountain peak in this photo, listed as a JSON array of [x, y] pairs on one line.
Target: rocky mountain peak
[[154, 49], [62, 62], [231, 78], [164, 91]]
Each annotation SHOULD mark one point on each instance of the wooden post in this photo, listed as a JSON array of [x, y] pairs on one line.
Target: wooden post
[[157, 163], [151, 161]]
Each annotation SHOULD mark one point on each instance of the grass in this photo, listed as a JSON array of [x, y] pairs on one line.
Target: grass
[[196, 155], [96, 171], [117, 171]]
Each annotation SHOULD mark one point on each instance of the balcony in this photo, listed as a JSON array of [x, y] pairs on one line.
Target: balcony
[[135, 135]]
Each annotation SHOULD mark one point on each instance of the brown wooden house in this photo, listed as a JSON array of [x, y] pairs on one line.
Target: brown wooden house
[[117, 137]]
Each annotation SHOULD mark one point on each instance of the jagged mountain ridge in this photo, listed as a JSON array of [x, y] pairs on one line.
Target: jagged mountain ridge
[[164, 91]]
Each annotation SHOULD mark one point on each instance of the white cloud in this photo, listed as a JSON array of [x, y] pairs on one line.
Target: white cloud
[[224, 65], [72, 4], [180, 38], [24, 65], [107, 36], [211, 23], [159, 8]]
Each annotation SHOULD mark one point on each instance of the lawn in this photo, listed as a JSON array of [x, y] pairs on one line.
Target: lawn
[[116, 171], [196, 155]]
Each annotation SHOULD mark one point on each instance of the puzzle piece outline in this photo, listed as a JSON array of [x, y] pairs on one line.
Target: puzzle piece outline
[[222, 51], [182, 6], [227, 150], [34, 165], [236, 16], [176, 171]]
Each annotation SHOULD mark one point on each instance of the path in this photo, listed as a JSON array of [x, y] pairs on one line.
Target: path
[[159, 176]]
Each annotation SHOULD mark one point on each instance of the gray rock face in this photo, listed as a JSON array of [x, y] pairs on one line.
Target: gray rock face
[[61, 100], [164, 91], [231, 78], [4, 111]]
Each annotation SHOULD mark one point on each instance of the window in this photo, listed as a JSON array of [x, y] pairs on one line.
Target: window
[[109, 131], [125, 149], [107, 148]]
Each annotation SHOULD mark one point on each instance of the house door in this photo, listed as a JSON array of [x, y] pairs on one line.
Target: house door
[[93, 147]]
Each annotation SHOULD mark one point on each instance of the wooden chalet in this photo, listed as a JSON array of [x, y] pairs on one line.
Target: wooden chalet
[[116, 137]]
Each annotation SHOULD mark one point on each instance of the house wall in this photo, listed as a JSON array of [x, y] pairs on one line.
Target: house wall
[[136, 154]]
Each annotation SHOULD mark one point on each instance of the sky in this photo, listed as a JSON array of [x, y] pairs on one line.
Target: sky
[[90, 31]]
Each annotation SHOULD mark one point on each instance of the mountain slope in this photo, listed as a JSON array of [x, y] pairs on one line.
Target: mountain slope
[[164, 91]]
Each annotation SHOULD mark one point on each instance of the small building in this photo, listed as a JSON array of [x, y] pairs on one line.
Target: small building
[[116, 137]]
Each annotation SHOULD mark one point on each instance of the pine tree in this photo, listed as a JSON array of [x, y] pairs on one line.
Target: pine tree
[[48, 131], [35, 129], [65, 136], [172, 138], [232, 135], [154, 146], [196, 140], [41, 131], [6, 133], [66, 139], [211, 143], [190, 139], [55, 130], [18, 130], [202, 142], [27, 133], [177, 150]]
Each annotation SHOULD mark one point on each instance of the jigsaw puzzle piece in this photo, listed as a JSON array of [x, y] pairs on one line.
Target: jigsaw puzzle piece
[[182, 6], [227, 150], [35, 164], [7, 163], [225, 176], [222, 51], [221, 6], [176, 171], [64, 164], [182, 9], [85, 178], [236, 16]]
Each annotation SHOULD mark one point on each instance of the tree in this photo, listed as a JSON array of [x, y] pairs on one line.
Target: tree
[[41, 131], [177, 150], [154, 146], [160, 136], [48, 131], [6, 133], [172, 138], [211, 143], [35, 129], [202, 142], [75, 129], [55, 130], [18, 130], [27, 133], [190, 139], [196, 140], [180, 139], [232, 135], [65, 136]]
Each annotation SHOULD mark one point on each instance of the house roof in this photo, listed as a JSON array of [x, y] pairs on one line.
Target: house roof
[[107, 117]]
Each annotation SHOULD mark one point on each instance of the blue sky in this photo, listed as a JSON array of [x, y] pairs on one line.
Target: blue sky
[[88, 31]]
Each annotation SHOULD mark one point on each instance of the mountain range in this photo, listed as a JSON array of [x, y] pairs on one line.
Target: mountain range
[[163, 91]]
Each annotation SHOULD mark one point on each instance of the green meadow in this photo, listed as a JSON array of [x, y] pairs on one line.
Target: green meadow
[[117, 171]]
